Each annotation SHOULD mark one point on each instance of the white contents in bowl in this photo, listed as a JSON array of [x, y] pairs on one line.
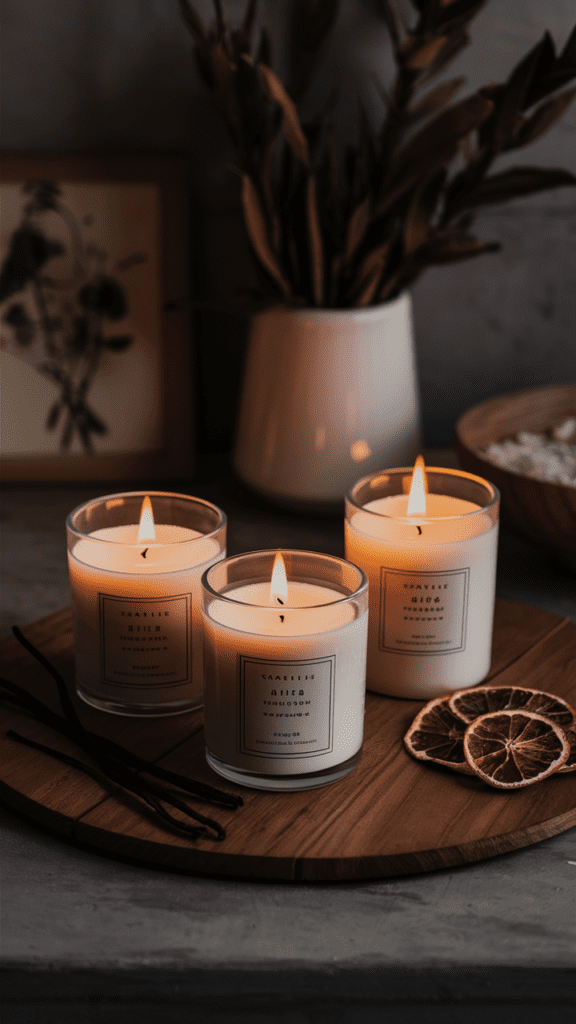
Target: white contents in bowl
[[548, 456]]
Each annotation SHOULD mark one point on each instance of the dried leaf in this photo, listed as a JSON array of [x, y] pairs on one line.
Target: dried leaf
[[511, 184], [329, 166], [53, 415], [542, 119], [93, 422], [390, 287], [193, 21], [421, 211], [66, 439], [221, 23], [547, 64], [290, 121], [453, 250], [310, 24], [250, 100], [266, 178], [550, 83], [514, 95], [555, 73], [264, 55], [369, 274], [469, 149], [412, 175], [296, 263], [222, 69], [368, 148], [357, 224], [465, 222], [444, 131], [433, 100], [424, 55], [315, 241], [369, 288], [454, 13], [244, 35], [286, 177], [258, 234], [353, 175], [457, 41]]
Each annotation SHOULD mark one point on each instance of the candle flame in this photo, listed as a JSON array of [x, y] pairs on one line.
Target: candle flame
[[278, 583], [418, 488], [146, 529]]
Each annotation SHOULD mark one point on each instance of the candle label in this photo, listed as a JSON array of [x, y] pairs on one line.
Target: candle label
[[286, 707], [145, 640], [423, 612]]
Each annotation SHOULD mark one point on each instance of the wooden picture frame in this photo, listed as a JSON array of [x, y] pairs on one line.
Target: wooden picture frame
[[94, 318]]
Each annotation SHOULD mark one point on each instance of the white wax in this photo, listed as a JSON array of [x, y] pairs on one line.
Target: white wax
[[284, 698], [431, 593], [146, 647], [289, 619]]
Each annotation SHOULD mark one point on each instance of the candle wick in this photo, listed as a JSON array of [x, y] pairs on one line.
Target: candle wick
[[143, 553], [280, 601], [281, 618], [419, 528]]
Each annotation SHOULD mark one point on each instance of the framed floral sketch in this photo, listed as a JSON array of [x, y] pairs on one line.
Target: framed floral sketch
[[94, 321]]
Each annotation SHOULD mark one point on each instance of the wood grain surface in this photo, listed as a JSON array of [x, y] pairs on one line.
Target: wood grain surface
[[391, 816]]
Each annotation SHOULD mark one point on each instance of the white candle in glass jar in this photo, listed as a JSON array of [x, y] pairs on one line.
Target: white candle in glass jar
[[137, 619], [431, 578], [284, 680]]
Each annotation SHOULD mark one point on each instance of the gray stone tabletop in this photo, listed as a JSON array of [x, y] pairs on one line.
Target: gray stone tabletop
[[85, 936]]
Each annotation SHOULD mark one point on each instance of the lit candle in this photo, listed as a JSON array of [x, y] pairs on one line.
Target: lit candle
[[284, 668], [427, 542], [135, 563]]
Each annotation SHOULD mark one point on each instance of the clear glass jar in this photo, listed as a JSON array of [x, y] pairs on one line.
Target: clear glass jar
[[432, 579], [136, 603], [284, 676]]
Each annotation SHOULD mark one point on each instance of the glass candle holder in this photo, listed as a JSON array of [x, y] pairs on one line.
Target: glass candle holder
[[284, 670], [432, 579], [136, 602]]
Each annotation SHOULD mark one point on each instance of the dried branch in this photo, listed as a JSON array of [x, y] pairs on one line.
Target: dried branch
[[405, 197]]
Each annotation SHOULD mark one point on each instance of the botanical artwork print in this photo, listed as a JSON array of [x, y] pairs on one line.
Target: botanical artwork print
[[66, 306]]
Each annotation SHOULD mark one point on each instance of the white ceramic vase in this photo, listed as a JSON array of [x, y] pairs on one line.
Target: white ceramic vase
[[329, 395]]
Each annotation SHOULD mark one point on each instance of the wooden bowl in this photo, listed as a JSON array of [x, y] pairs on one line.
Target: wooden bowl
[[543, 512]]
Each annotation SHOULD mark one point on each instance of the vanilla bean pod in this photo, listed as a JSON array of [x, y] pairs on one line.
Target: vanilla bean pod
[[119, 773], [200, 789], [116, 764], [26, 702], [104, 780]]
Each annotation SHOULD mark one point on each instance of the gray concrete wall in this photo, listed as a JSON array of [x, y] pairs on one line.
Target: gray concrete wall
[[103, 75]]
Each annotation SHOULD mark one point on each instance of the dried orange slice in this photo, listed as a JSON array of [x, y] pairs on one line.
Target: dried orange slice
[[437, 734], [482, 700], [514, 747], [570, 764]]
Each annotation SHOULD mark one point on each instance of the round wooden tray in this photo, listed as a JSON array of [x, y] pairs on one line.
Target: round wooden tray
[[391, 816]]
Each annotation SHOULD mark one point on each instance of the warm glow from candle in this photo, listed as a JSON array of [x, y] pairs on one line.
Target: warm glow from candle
[[146, 530], [278, 583], [417, 496]]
